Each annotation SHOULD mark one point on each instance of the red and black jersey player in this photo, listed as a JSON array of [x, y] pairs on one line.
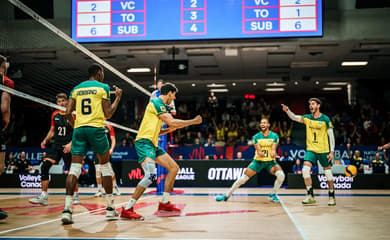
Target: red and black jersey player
[[61, 132], [5, 115]]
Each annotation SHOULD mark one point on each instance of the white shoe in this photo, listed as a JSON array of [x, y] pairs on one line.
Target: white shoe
[[98, 194], [111, 212], [332, 201], [116, 191], [76, 200], [40, 200], [66, 217]]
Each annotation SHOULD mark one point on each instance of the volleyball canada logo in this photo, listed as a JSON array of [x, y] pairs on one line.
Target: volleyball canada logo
[[339, 181], [30, 181]]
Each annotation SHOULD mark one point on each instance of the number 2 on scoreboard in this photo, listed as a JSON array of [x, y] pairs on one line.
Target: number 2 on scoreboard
[[194, 3], [93, 7]]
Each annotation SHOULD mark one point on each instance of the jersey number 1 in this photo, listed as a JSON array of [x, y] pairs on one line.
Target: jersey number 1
[[86, 106]]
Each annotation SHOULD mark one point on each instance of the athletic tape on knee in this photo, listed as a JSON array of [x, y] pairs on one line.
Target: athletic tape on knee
[[75, 169], [305, 171], [106, 169], [150, 176], [98, 170], [45, 167], [243, 179], [112, 170], [280, 176], [328, 174]]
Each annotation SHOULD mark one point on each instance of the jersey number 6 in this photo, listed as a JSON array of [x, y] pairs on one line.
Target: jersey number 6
[[86, 106]]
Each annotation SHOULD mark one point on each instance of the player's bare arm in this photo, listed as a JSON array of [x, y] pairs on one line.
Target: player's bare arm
[[331, 143], [273, 150], [386, 146], [113, 143], [167, 130], [5, 108], [69, 110], [48, 137], [108, 108], [178, 123], [291, 115]]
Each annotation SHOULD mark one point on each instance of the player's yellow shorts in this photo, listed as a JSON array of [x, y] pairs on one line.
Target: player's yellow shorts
[[145, 148], [313, 157], [257, 166], [85, 137]]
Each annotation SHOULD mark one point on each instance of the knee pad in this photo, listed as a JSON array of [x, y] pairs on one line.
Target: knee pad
[[150, 176], [106, 169], [305, 171], [328, 174], [280, 176], [243, 179], [45, 167], [75, 169], [98, 170]]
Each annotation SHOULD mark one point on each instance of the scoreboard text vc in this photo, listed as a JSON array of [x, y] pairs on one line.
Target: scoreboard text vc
[[154, 20]]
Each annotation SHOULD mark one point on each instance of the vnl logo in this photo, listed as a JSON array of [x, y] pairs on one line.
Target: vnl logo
[[339, 181], [29, 181], [135, 174]]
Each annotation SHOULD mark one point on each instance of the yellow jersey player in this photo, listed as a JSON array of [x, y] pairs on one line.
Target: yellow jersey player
[[320, 145], [149, 153], [91, 100], [265, 143]]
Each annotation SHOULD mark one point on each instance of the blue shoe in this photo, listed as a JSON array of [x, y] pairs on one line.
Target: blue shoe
[[273, 197], [221, 198]]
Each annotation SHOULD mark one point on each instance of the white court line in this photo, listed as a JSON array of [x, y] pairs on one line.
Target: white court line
[[303, 235], [58, 219]]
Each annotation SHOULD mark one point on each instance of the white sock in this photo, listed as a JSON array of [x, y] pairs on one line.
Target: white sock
[[68, 202], [237, 184], [44, 194], [99, 187], [165, 197], [130, 204], [308, 187], [110, 200]]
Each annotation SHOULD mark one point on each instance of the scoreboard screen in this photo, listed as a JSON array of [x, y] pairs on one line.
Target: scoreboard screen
[[159, 20]]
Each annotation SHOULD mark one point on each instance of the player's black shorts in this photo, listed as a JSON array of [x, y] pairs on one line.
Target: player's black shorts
[[3, 138], [56, 152]]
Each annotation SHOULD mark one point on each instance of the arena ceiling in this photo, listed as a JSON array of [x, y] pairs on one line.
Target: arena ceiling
[[303, 66]]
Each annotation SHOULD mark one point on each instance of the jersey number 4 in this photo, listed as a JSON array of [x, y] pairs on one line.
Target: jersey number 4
[[86, 106]]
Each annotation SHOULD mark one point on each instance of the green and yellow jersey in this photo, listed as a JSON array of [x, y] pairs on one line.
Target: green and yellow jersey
[[151, 124], [88, 98], [265, 143], [317, 133]]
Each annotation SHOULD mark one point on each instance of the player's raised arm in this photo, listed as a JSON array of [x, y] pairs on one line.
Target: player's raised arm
[[297, 118], [108, 108], [178, 123]]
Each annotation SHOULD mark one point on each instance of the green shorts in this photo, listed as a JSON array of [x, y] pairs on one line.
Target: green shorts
[[313, 157], [145, 148], [85, 137], [257, 166]]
